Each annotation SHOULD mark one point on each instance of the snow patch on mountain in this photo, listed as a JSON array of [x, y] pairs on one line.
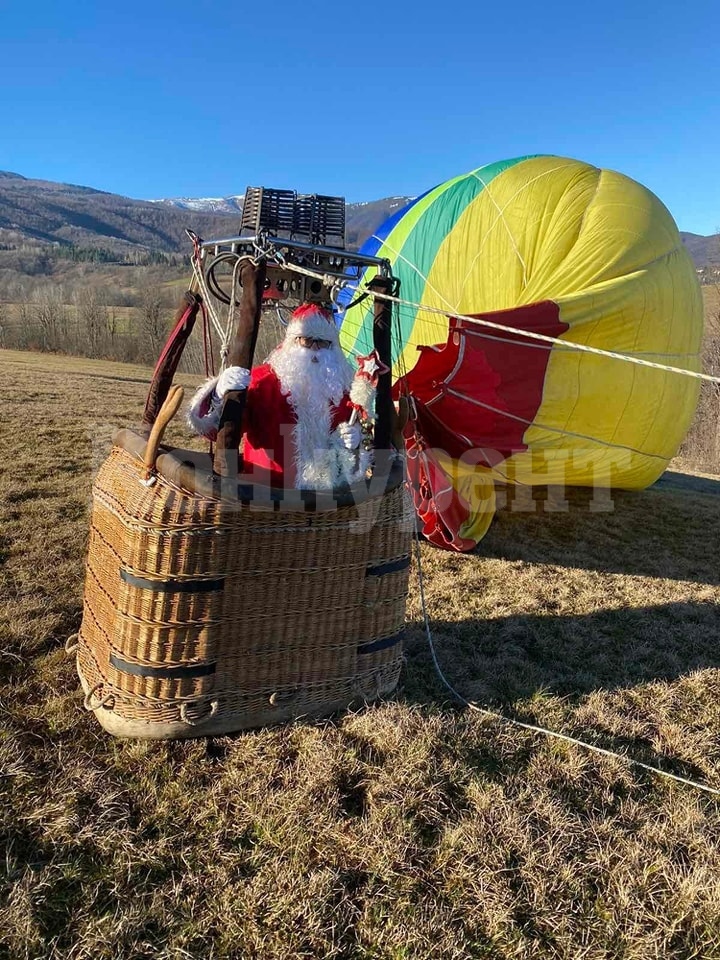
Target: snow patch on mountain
[[230, 205]]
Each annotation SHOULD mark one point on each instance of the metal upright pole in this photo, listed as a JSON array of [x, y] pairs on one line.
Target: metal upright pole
[[382, 341]]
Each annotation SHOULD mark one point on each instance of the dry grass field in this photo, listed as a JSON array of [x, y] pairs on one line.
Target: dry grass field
[[411, 829]]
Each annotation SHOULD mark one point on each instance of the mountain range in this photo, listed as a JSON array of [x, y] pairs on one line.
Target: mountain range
[[44, 212], [41, 212]]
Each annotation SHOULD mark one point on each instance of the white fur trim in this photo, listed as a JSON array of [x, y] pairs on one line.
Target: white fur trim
[[362, 394], [314, 381], [203, 412], [313, 326]]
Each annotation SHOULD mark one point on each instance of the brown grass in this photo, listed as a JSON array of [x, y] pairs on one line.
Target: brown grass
[[413, 829]]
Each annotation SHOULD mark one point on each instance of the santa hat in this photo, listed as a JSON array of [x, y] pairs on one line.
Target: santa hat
[[312, 320]]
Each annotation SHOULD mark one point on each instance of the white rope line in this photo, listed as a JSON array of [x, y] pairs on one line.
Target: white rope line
[[501, 216], [225, 332], [544, 338], [327, 279], [531, 726], [548, 347], [355, 326], [417, 270], [200, 277], [496, 471], [543, 426], [225, 342], [568, 345]]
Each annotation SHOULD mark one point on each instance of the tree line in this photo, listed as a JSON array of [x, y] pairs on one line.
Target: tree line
[[92, 315], [701, 447], [87, 324]]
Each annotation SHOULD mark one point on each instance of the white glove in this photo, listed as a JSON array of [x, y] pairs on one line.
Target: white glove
[[234, 378], [203, 414], [350, 434]]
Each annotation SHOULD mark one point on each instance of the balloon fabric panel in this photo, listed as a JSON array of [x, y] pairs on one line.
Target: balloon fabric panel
[[607, 257]]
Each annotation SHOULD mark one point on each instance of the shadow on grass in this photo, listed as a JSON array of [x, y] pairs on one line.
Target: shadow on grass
[[541, 670], [672, 481], [670, 531], [513, 658]]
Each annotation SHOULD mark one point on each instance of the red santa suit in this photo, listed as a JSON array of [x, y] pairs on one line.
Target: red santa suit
[[296, 429], [271, 434]]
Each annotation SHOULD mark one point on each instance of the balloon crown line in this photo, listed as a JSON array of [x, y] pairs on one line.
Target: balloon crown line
[[343, 272], [544, 338]]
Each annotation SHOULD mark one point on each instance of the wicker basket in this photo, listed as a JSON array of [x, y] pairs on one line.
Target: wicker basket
[[211, 609]]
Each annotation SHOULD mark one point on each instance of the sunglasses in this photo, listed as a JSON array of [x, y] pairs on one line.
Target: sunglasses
[[314, 343]]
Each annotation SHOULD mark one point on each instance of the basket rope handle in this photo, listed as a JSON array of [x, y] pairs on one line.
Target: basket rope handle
[[196, 719], [108, 701], [284, 698], [168, 410], [72, 643], [361, 690]]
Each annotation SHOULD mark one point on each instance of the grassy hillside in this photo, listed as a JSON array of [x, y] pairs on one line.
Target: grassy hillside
[[410, 829]]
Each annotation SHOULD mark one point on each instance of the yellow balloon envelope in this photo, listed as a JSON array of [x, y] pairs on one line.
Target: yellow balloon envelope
[[552, 246]]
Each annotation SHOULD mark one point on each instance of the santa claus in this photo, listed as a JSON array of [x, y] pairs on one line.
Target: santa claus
[[298, 419]]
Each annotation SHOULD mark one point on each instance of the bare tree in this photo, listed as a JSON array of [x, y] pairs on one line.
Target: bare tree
[[153, 323], [52, 317], [92, 320], [27, 332], [111, 325]]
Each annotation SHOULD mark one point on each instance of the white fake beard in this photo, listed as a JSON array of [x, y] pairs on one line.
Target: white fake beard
[[314, 381]]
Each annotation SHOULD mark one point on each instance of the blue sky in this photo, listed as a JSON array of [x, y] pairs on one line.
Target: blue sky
[[201, 99]]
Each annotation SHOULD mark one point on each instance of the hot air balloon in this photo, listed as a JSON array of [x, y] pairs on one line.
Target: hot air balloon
[[541, 245]]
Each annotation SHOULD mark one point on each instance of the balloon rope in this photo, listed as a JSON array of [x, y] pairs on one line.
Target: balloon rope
[[544, 338], [479, 321], [528, 334], [530, 726], [356, 326], [631, 761], [199, 277], [543, 426]]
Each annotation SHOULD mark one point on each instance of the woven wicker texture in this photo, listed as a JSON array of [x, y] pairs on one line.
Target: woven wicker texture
[[209, 615]]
